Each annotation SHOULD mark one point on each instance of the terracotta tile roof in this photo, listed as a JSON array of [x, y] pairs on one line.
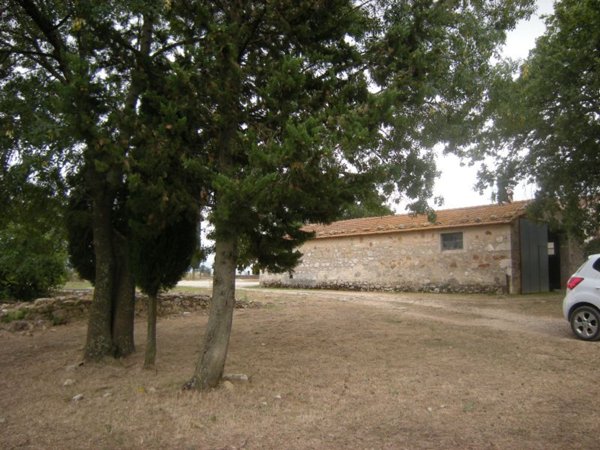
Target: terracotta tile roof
[[449, 218]]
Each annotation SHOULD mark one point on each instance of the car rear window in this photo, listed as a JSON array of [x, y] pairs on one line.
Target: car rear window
[[596, 265]]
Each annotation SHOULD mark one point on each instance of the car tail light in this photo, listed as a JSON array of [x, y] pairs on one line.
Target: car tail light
[[573, 282]]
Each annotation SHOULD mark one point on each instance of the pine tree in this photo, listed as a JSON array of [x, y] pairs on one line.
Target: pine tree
[[76, 74], [307, 106], [162, 205]]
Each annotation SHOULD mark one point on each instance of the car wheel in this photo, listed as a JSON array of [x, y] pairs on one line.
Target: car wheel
[[585, 323]]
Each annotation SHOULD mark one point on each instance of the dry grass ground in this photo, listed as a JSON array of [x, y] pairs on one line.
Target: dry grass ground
[[328, 370]]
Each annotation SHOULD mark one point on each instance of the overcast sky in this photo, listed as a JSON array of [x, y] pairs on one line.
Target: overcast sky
[[456, 183]]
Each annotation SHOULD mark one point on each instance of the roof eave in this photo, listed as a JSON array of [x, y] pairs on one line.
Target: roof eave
[[415, 229]]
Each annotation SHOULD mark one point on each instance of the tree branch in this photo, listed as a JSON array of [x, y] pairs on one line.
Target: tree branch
[[170, 47], [49, 31], [255, 25], [61, 23], [9, 50], [38, 56]]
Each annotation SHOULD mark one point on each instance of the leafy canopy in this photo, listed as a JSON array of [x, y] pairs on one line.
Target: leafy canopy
[[308, 107], [33, 256], [545, 124], [90, 97], [283, 112]]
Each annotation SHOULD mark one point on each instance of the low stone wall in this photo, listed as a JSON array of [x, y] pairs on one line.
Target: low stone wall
[[70, 306], [363, 286]]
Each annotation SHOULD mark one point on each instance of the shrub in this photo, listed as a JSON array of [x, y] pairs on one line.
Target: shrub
[[31, 263], [11, 316]]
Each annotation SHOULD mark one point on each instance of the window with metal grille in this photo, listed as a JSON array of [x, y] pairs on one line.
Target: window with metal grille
[[452, 241]]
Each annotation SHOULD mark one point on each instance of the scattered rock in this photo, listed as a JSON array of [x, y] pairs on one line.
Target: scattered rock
[[2, 420], [186, 313], [19, 325], [72, 367], [237, 377], [107, 394], [228, 386], [277, 396], [69, 382], [43, 301], [59, 317], [189, 385], [77, 398]]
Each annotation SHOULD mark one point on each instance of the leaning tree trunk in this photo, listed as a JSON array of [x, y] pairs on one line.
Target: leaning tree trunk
[[99, 332], [211, 362], [150, 356], [123, 301]]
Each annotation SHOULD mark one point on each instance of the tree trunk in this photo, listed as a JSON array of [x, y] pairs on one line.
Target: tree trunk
[[211, 362], [150, 355], [99, 332], [123, 301]]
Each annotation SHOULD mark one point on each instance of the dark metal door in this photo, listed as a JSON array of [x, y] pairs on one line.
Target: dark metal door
[[554, 261], [534, 257]]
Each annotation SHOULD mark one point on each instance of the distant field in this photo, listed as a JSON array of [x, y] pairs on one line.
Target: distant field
[[78, 285]]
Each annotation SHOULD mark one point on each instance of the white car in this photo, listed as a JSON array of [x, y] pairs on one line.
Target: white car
[[581, 306]]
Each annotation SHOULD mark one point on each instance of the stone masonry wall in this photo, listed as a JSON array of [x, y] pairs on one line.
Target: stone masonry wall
[[406, 261]]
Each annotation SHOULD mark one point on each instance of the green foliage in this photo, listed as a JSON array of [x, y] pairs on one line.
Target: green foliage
[[31, 263], [162, 205], [163, 217], [270, 114], [546, 122], [78, 223], [74, 111], [32, 241], [161, 260], [11, 316], [313, 106], [373, 205]]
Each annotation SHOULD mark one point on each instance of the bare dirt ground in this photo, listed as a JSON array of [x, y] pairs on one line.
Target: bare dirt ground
[[327, 370]]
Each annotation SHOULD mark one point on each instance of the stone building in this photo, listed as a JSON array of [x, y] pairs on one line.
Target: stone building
[[493, 248]]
